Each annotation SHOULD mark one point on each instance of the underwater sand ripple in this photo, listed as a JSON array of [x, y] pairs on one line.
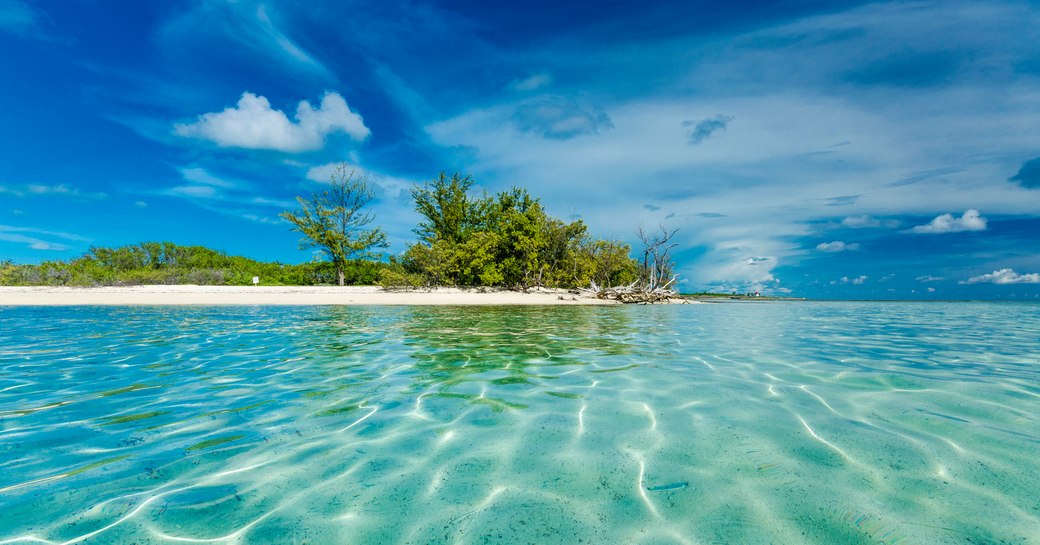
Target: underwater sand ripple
[[812, 423]]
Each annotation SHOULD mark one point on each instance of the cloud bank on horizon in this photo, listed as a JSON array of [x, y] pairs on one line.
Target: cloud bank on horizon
[[803, 149]]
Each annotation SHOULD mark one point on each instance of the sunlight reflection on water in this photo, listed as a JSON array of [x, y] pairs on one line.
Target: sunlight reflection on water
[[729, 423]]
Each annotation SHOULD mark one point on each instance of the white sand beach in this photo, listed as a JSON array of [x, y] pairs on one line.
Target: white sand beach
[[283, 295]]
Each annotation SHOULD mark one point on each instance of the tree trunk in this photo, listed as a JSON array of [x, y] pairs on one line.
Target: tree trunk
[[340, 277]]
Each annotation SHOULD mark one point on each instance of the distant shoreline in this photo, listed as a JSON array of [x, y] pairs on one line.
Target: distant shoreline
[[283, 295]]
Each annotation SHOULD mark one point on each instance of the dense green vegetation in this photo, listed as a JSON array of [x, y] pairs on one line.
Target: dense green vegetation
[[503, 240], [168, 263]]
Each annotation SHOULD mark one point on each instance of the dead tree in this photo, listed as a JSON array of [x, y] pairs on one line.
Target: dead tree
[[657, 259], [656, 277]]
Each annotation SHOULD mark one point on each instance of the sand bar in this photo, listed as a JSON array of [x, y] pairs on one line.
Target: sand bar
[[282, 295]]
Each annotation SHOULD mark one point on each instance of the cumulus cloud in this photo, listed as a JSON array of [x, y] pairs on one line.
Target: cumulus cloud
[[1004, 276], [836, 246], [948, 223], [531, 83], [253, 124], [559, 118], [768, 172], [702, 129], [929, 278], [1029, 175]]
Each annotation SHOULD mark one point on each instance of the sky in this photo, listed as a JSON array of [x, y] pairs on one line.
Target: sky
[[882, 150]]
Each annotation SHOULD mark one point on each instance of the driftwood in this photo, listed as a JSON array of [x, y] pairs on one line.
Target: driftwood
[[637, 293]]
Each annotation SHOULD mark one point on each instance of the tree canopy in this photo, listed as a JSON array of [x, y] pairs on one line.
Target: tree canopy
[[333, 221], [169, 263], [506, 240]]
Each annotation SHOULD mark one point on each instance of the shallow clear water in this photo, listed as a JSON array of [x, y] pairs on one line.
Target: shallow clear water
[[725, 423]]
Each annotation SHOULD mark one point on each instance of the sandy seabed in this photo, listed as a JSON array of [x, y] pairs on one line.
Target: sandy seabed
[[284, 295]]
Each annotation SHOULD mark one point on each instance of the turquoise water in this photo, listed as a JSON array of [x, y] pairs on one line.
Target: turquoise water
[[720, 423]]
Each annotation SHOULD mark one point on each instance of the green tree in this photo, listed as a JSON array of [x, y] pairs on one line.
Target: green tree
[[505, 240], [333, 221], [450, 213], [523, 226]]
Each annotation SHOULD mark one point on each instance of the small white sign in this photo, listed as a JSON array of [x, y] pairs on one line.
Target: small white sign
[[256, 280]]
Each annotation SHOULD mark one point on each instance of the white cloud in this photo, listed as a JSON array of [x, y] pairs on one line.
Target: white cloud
[[241, 27], [931, 290], [202, 184], [141, 204], [560, 118], [531, 83], [283, 42], [277, 203], [60, 189], [737, 258], [31, 237], [48, 246], [929, 278], [324, 173], [202, 176], [948, 223], [859, 280], [223, 195], [836, 246], [253, 124], [864, 221], [391, 184], [802, 128], [192, 191], [263, 219], [1004, 276], [32, 190]]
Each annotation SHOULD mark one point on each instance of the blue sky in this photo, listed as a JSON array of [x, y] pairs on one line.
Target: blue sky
[[817, 149]]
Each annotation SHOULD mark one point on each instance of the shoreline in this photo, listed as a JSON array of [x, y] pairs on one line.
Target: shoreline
[[174, 295]]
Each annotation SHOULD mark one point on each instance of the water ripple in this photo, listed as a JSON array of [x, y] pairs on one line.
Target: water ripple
[[734, 423]]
